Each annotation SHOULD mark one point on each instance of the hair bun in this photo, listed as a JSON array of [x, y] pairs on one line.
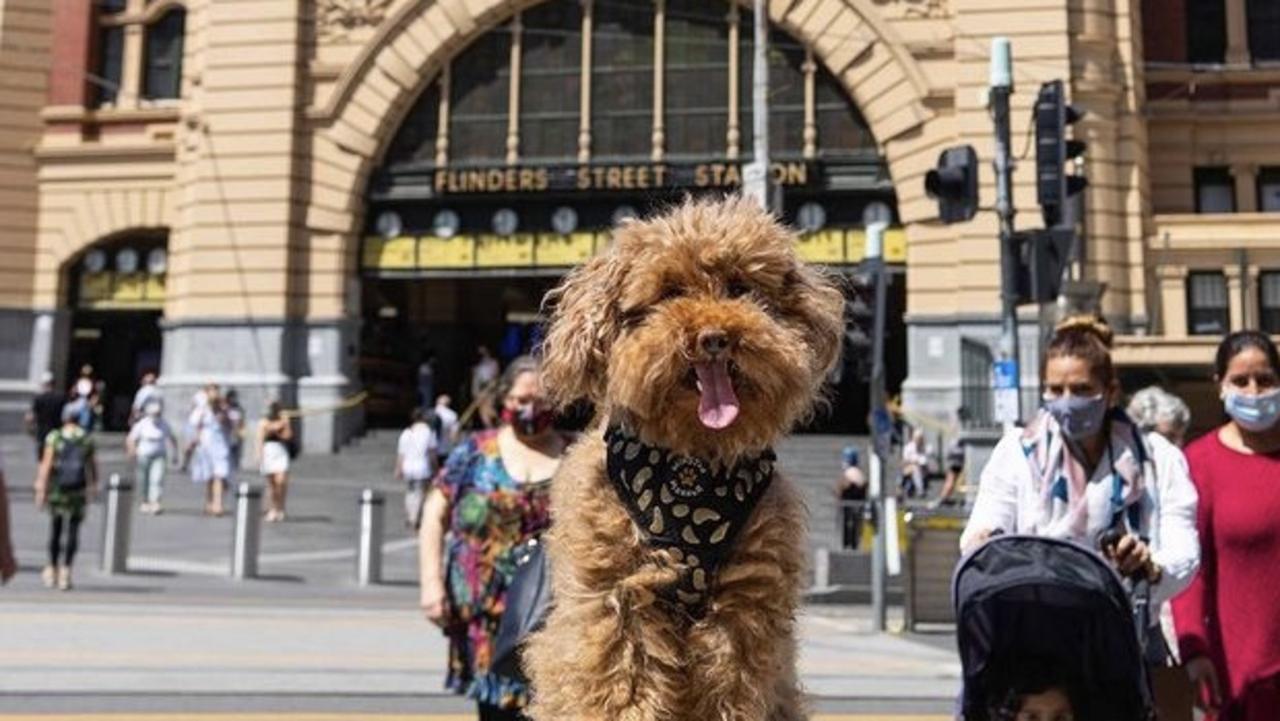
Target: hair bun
[[1090, 324]]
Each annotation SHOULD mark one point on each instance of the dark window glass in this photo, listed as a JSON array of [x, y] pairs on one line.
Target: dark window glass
[[786, 92], [622, 80], [415, 141], [697, 78], [106, 81], [479, 98], [1269, 190], [1215, 190], [1269, 301], [111, 7], [1206, 31], [162, 73], [1208, 312], [1264, 29], [841, 128], [551, 81]]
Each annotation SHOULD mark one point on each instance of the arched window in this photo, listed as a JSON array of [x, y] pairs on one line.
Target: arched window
[[622, 80], [696, 78], [786, 92], [841, 129], [162, 69], [415, 143], [550, 81], [478, 99]]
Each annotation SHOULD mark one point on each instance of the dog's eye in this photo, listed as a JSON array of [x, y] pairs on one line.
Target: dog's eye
[[670, 291], [737, 289]]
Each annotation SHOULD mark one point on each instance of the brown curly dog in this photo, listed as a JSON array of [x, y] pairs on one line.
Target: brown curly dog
[[676, 552]]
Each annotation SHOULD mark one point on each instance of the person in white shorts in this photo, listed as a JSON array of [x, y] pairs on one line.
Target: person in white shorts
[[275, 436], [415, 460]]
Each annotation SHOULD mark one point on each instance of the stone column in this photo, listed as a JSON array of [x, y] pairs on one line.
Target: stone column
[[1235, 296], [1246, 180], [233, 312], [1237, 33], [1172, 281]]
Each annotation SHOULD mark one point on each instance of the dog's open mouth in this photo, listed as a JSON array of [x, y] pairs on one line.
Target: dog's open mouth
[[718, 404]]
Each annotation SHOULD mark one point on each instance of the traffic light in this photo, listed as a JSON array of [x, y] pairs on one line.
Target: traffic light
[[859, 325], [1054, 186], [1043, 258], [954, 184]]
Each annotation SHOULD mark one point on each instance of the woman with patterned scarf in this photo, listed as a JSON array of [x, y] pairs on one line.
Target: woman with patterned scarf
[[1082, 468]]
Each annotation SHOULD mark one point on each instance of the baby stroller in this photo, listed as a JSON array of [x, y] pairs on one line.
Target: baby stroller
[[1034, 612]]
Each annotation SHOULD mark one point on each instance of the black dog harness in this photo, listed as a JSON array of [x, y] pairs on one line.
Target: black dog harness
[[685, 505]]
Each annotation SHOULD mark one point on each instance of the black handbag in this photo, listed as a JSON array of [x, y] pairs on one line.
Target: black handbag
[[528, 598]]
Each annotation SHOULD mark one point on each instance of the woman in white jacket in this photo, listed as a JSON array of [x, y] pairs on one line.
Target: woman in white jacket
[[1081, 468]]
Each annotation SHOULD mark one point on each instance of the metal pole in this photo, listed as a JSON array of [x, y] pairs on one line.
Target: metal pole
[[879, 448], [369, 558], [755, 177], [245, 541], [1001, 89], [115, 527]]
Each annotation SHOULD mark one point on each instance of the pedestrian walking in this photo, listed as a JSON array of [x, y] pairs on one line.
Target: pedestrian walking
[[447, 433], [1082, 468], [45, 413], [67, 479], [484, 374], [1156, 410], [235, 425], [147, 391], [1228, 622], [415, 463], [852, 493], [209, 449], [427, 379], [274, 439], [915, 464], [492, 496], [8, 564], [953, 458], [147, 444]]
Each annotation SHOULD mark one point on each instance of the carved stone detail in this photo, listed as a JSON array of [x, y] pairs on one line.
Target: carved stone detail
[[337, 18]]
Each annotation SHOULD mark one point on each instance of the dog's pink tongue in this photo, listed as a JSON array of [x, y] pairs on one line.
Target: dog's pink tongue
[[718, 406]]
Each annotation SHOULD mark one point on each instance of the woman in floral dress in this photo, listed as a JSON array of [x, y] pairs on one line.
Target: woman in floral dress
[[491, 496]]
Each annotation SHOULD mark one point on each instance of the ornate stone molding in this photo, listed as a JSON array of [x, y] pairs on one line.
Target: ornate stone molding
[[337, 18]]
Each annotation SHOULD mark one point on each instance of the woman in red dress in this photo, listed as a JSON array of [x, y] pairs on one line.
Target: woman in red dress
[[1228, 621]]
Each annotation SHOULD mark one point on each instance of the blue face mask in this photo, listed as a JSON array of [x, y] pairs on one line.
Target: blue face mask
[[1078, 417], [1253, 413]]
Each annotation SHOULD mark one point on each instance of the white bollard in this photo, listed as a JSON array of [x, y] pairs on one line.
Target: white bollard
[[245, 541], [369, 557], [115, 527]]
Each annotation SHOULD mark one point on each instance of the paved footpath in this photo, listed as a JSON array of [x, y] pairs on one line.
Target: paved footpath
[[176, 639]]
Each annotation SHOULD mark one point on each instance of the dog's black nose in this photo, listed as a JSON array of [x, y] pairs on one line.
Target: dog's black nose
[[714, 342]]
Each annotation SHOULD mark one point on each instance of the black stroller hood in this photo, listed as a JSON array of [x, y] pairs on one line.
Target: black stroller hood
[[1031, 605]]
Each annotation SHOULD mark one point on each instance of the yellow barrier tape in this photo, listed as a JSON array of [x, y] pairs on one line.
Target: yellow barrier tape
[[346, 404]]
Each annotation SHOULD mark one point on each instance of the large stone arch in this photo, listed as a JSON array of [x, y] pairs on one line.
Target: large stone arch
[[74, 220], [375, 92]]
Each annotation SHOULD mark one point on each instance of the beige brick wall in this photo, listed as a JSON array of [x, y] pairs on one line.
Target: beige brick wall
[[24, 63]]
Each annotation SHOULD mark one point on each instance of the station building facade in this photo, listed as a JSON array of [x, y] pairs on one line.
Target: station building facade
[[304, 199]]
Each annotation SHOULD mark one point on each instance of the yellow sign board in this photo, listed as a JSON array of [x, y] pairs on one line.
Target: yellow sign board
[[497, 251], [446, 253], [554, 249], [832, 246]]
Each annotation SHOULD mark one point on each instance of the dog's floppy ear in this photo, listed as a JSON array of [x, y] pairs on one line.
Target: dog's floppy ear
[[584, 322], [819, 305]]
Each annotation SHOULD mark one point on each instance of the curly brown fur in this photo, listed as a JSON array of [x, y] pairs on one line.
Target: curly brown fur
[[625, 335]]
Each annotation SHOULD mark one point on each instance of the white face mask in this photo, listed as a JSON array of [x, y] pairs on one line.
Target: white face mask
[[1253, 413]]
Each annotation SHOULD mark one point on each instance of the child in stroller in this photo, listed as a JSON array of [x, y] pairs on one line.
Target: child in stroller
[[1047, 630]]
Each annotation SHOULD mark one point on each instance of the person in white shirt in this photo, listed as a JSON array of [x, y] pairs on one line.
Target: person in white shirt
[[1082, 468], [147, 391], [146, 444], [447, 435], [415, 462]]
